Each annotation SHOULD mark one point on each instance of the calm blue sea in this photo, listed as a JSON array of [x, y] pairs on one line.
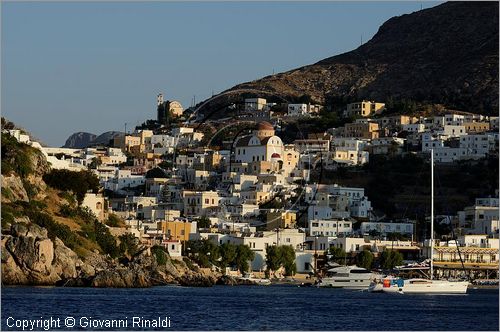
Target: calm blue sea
[[250, 308]]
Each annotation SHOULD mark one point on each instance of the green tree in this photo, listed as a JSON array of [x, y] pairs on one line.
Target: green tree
[[390, 258], [114, 221], [203, 252], [77, 182], [288, 260], [338, 255], [273, 258], [16, 156], [203, 222], [365, 259], [128, 245], [227, 254], [243, 255], [96, 162], [156, 172], [105, 240], [160, 254], [281, 256]]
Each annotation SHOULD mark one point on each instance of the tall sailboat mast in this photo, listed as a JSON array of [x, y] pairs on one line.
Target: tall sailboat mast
[[432, 213]]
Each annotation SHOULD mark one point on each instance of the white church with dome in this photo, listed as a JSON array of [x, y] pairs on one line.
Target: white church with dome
[[263, 145]]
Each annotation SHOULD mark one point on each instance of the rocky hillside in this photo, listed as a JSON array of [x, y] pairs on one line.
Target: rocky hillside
[[82, 140], [105, 137], [79, 140], [49, 239], [447, 55]]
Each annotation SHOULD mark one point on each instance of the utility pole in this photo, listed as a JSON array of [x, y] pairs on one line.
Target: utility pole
[[315, 254]]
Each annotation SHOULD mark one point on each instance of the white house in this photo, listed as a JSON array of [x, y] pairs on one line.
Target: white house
[[325, 227], [174, 248], [297, 109], [124, 179], [95, 203], [414, 127], [255, 104], [258, 243], [387, 227]]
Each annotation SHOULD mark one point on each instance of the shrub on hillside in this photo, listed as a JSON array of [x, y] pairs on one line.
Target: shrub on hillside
[[160, 254], [77, 182], [54, 229], [105, 240], [114, 221], [128, 245], [16, 156]]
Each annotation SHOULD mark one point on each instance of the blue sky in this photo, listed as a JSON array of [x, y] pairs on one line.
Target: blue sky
[[69, 67]]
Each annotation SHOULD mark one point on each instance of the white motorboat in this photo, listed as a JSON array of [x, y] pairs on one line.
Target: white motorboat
[[426, 286], [352, 277], [258, 281]]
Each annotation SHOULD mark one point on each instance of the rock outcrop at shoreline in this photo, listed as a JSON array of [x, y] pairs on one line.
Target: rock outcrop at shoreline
[[30, 257]]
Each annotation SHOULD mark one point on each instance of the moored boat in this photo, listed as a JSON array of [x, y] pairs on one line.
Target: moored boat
[[352, 277], [424, 286], [258, 281], [378, 283]]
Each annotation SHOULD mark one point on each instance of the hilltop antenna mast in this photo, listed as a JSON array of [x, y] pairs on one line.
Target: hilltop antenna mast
[[361, 39]]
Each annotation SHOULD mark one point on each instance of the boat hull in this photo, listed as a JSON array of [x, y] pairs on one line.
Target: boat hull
[[428, 287], [257, 281]]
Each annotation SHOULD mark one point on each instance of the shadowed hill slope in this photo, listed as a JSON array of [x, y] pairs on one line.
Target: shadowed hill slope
[[447, 54]]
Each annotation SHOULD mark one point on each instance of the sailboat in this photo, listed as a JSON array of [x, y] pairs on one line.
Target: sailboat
[[426, 286]]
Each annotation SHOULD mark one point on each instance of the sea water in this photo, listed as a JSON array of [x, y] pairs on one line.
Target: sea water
[[243, 308]]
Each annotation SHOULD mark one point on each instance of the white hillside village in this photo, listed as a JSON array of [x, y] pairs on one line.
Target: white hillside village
[[173, 189]]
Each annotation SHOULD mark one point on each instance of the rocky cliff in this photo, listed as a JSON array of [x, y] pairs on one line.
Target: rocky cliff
[[30, 257], [47, 239], [82, 140], [79, 140], [447, 54]]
